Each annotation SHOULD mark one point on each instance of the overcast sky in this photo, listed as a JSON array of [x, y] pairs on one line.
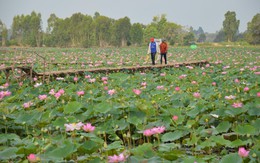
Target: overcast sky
[[208, 14]]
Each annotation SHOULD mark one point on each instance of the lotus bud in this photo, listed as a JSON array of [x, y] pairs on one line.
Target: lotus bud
[[128, 134], [105, 145], [124, 135]]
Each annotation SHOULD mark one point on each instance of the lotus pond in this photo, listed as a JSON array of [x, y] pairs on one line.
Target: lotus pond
[[184, 114]]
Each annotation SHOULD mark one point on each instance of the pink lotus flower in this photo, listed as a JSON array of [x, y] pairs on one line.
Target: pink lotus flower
[[111, 92], [194, 82], [242, 152], [32, 158], [104, 82], [159, 87], [80, 93], [258, 94], [76, 79], [92, 80], [158, 130], [137, 91], [231, 97], [27, 104], [61, 91], [115, 159], [196, 95], [189, 67], [237, 105], [73, 126], [4, 94], [155, 130], [204, 73], [88, 127], [182, 76], [214, 83], [34, 79], [246, 89], [175, 117], [106, 88], [177, 89], [57, 95], [20, 84], [236, 81], [143, 84], [163, 74], [42, 97], [87, 77], [6, 85], [104, 78], [52, 92], [148, 132]]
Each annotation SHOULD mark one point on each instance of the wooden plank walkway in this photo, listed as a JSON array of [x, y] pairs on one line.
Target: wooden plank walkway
[[30, 72]]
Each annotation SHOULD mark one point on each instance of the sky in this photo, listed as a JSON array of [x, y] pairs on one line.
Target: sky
[[208, 14]]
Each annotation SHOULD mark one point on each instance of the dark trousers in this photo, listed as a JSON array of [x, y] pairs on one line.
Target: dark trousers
[[153, 58], [163, 55]]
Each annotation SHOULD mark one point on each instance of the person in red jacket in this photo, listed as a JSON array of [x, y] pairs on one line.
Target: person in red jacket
[[163, 50]]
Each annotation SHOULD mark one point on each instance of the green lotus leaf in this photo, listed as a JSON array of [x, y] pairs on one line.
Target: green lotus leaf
[[233, 157], [223, 127], [72, 107]]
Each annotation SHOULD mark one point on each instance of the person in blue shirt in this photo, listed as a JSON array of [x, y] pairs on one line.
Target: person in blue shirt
[[153, 49]]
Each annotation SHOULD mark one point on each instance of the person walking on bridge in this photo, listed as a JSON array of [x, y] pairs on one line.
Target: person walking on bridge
[[164, 49], [153, 49]]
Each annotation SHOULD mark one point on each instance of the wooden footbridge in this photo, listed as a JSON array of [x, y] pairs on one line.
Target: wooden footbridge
[[28, 71]]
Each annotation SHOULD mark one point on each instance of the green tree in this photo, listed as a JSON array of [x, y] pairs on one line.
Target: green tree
[[4, 36], [102, 24], [49, 36], [189, 38], [220, 36], [202, 37], [230, 25], [26, 29], [253, 30], [17, 30], [35, 29], [171, 32], [80, 29], [160, 23], [122, 31], [136, 34], [150, 31]]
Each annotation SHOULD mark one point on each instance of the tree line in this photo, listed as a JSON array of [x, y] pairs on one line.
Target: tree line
[[81, 30]]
